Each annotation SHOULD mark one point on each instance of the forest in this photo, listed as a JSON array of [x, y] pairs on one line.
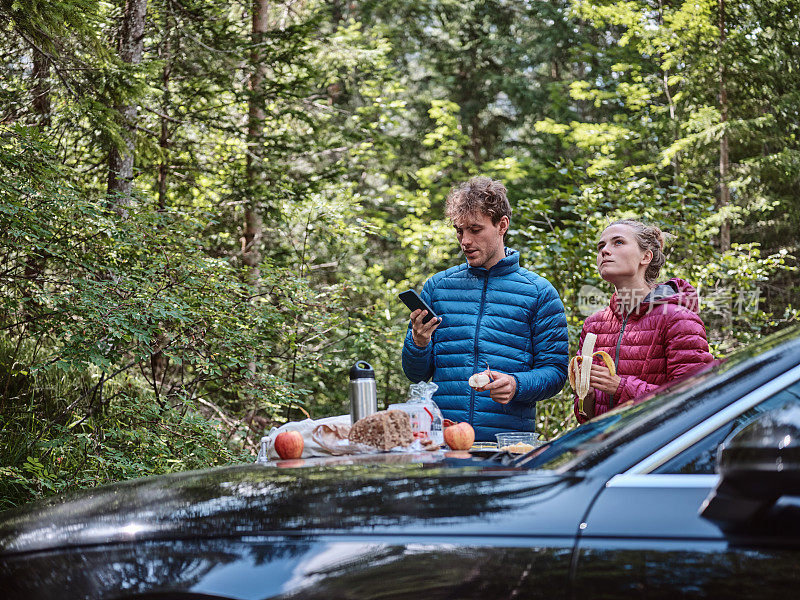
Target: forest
[[208, 207]]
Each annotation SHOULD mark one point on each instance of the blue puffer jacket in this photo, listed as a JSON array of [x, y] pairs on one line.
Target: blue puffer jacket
[[507, 317]]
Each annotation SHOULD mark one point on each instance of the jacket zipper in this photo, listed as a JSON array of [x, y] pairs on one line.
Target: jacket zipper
[[477, 333], [616, 355]]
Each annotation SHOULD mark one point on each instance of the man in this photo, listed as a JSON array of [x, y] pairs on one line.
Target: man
[[492, 314]]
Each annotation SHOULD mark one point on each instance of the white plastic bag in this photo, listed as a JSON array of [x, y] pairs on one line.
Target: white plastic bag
[[321, 437]]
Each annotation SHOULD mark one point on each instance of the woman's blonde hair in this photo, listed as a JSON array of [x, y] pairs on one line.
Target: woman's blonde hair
[[649, 237]]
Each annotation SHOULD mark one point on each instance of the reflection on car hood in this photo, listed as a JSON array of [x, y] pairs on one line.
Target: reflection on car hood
[[366, 499]]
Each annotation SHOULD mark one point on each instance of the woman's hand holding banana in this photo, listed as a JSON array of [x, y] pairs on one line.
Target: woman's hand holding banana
[[583, 375], [604, 379]]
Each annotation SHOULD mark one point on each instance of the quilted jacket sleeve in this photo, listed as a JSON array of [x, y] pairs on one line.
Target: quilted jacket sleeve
[[418, 362], [631, 387], [687, 351], [550, 349]]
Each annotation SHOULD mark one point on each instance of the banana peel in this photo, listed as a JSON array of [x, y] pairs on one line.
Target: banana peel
[[580, 368]]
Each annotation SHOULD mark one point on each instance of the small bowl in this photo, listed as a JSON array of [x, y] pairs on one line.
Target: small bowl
[[517, 442]]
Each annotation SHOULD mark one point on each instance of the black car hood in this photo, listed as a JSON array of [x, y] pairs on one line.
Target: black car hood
[[407, 498]]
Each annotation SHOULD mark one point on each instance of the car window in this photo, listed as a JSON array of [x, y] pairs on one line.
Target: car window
[[700, 458]]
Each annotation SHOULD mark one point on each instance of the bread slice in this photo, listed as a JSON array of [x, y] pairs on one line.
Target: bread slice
[[383, 430]]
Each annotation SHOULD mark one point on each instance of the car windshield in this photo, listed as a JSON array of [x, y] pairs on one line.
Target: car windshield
[[568, 451]]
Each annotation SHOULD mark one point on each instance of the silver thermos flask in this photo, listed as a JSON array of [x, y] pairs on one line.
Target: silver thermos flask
[[362, 392]]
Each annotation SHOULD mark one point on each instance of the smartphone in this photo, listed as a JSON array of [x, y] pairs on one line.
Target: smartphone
[[413, 301]]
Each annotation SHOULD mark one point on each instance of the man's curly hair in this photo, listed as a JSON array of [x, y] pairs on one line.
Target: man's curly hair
[[478, 195]]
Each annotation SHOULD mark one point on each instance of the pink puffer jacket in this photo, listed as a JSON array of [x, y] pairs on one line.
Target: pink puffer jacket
[[660, 341]]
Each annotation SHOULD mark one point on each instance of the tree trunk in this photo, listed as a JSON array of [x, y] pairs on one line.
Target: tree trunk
[[253, 224], [676, 170], [120, 159], [159, 361], [724, 158], [41, 88], [164, 138], [35, 263]]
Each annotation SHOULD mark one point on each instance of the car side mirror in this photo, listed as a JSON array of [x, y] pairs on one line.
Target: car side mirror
[[757, 466]]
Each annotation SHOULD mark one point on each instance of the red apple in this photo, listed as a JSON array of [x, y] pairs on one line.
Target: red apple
[[459, 436], [289, 444]]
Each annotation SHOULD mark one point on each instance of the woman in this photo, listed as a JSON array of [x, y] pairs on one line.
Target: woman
[[652, 332]]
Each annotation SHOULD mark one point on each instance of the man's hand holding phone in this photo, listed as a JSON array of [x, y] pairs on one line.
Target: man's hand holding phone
[[423, 320], [422, 332]]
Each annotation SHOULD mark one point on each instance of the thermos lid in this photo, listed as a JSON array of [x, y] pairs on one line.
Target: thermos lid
[[362, 370]]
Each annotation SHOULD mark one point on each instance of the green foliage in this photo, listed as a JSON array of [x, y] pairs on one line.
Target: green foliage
[[131, 298], [113, 293], [62, 429], [648, 144]]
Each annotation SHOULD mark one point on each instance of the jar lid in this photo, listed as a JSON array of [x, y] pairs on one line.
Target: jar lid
[[362, 370]]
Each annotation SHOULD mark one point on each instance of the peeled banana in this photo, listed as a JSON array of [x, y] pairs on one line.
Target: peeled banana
[[580, 368]]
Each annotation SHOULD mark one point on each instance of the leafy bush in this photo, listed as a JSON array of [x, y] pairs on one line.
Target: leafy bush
[[117, 331], [60, 432]]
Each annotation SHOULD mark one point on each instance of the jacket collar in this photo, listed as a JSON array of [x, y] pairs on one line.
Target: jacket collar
[[506, 265], [675, 291]]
